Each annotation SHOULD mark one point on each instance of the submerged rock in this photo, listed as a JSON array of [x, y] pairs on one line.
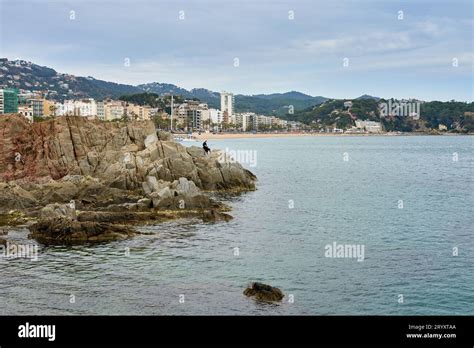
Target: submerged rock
[[215, 216], [264, 292]]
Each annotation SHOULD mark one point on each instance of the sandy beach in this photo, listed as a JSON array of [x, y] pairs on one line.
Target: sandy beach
[[204, 136]]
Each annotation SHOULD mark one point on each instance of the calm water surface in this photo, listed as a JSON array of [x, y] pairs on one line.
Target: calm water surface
[[408, 251]]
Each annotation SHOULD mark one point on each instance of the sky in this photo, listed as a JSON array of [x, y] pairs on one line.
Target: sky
[[339, 49]]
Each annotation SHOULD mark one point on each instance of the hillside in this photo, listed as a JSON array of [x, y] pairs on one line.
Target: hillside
[[456, 116], [29, 76], [269, 104], [318, 111], [26, 75]]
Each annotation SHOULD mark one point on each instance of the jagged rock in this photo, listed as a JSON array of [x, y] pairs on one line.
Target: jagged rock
[[126, 171], [67, 231], [180, 194], [218, 172], [121, 155], [12, 196], [56, 210], [264, 292], [145, 201]]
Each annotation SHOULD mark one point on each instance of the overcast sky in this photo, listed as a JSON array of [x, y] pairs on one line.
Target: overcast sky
[[277, 50]]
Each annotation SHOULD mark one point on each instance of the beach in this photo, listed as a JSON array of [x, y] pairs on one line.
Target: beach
[[205, 136]]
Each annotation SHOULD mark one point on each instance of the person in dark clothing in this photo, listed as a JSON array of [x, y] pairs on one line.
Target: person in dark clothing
[[205, 147]]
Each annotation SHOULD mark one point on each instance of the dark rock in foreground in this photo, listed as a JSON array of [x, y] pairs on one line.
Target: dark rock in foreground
[[264, 292], [66, 231]]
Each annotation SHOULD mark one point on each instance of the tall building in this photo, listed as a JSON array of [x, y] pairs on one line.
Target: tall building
[[8, 101], [215, 116], [191, 114], [101, 110], [227, 105], [38, 107]]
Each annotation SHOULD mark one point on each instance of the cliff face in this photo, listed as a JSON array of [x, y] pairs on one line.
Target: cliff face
[[122, 155], [112, 173]]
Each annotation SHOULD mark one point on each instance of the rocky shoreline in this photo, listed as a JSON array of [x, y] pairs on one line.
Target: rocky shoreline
[[74, 180]]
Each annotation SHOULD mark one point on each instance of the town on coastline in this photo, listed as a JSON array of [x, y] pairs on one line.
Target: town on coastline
[[182, 116], [40, 93], [187, 116]]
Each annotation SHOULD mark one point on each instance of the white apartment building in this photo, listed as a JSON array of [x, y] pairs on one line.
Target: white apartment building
[[227, 105], [244, 120], [84, 107], [114, 110], [191, 114], [215, 116], [369, 126]]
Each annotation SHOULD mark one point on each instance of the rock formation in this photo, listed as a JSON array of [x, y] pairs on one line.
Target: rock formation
[[106, 170], [122, 155], [264, 292], [66, 231]]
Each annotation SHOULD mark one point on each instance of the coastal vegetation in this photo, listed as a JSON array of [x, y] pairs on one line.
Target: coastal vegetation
[[455, 116]]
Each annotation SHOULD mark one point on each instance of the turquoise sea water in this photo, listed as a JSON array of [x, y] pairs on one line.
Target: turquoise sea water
[[308, 196]]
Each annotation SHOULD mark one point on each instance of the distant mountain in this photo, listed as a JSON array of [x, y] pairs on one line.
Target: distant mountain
[[292, 95], [29, 76], [164, 89], [278, 104], [366, 96], [270, 104]]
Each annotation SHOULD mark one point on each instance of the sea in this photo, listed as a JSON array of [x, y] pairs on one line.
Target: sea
[[361, 225]]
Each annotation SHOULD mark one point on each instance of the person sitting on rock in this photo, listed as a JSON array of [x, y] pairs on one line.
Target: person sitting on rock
[[205, 147]]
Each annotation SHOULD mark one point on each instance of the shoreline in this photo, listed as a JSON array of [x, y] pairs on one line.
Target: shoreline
[[207, 136]]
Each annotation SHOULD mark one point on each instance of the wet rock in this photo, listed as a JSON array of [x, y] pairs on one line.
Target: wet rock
[[67, 231], [13, 218], [264, 292], [180, 194], [215, 216], [57, 210]]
